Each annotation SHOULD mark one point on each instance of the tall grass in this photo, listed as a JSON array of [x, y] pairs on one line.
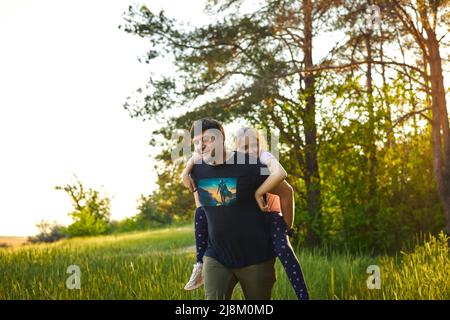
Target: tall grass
[[422, 274], [157, 264]]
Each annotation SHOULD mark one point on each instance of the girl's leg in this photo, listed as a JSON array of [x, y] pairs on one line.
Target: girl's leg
[[286, 254], [201, 238], [201, 233]]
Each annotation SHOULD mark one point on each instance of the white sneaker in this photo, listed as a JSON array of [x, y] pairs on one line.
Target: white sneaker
[[196, 279]]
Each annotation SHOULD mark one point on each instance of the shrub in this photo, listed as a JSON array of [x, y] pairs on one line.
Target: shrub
[[91, 211], [48, 232]]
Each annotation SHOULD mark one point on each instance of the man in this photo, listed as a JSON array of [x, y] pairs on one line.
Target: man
[[239, 248]]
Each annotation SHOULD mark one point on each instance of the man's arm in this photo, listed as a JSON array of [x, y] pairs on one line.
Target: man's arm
[[196, 199], [286, 193], [186, 174], [188, 170], [186, 177]]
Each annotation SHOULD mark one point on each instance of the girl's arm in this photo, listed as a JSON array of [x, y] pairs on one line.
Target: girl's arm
[[277, 175], [186, 175], [286, 193]]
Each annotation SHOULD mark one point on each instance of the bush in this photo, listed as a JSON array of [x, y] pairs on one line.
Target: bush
[[148, 212], [48, 232], [91, 211], [147, 218], [86, 224]]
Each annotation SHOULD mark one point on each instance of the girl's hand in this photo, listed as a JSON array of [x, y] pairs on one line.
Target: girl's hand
[[188, 182], [261, 203]]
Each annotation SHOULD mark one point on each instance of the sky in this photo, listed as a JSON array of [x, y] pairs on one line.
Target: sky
[[65, 72]]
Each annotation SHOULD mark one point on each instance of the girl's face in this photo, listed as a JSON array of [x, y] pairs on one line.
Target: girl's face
[[248, 144]]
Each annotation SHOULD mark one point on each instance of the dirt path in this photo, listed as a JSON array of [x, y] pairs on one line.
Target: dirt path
[[6, 242]]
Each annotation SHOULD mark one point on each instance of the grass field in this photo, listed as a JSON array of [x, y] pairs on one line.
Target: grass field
[[156, 265]]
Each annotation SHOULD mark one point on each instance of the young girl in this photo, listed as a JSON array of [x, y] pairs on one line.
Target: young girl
[[280, 199]]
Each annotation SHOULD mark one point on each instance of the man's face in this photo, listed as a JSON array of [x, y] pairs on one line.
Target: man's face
[[208, 142]]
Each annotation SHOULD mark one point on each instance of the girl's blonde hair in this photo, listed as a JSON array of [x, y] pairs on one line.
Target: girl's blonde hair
[[260, 138]]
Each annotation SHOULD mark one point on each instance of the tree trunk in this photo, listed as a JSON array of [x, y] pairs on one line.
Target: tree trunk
[[440, 131], [440, 126], [312, 177], [371, 147]]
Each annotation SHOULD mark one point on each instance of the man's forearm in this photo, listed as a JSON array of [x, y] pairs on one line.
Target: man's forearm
[[286, 194]]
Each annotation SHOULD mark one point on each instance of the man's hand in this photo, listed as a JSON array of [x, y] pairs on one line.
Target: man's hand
[[188, 182], [261, 203]]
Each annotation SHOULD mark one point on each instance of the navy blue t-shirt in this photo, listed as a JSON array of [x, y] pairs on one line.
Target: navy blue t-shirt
[[238, 231]]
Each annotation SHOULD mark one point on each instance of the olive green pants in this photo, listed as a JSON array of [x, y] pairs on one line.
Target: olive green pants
[[256, 280]]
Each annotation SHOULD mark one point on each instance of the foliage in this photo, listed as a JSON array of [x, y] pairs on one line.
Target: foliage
[[365, 118], [91, 211], [48, 232]]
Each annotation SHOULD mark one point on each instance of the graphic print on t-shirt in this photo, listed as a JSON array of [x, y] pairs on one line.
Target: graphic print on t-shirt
[[217, 191]]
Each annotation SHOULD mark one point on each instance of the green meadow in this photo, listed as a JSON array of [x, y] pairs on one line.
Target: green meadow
[[156, 265]]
